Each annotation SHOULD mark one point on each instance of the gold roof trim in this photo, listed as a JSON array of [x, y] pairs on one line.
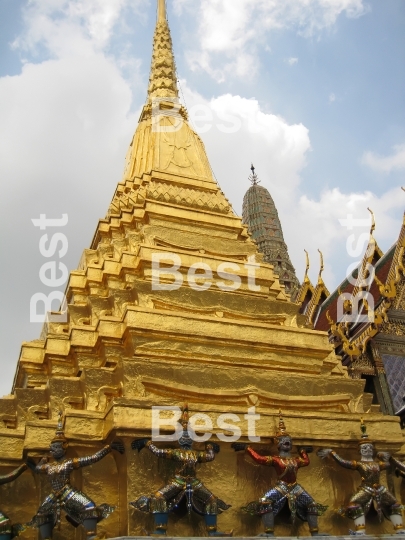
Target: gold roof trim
[[388, 290], [306, 283], [319, 290]]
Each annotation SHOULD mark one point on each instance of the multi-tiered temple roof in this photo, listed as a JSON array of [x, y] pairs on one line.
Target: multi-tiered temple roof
[[365, 316]]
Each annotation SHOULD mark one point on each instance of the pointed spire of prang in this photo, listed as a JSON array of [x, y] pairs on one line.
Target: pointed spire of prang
[[261, 217], [253, 177], [163, 77]]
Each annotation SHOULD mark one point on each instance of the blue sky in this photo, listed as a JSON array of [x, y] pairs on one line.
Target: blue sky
[[318, 87]]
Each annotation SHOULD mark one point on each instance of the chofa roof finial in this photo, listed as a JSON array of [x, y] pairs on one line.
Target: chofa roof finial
[[307, 265], [372, 229], [322, 268]]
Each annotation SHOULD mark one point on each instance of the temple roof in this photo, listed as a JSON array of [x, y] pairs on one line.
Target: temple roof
[[382, 265], [368, 308]]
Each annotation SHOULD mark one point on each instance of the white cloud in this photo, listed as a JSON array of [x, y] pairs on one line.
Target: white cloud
[[77, 109], [77, 103], [386, 164], [232, 28], [317, 226], [279, 152], [66, 27], [332, 97], [278, 149], [292, 61]]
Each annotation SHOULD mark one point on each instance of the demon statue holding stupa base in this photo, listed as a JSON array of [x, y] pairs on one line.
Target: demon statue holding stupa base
[[79, 509], [184, 486], [370, 490], [300, 503], [400, 467], [7, 530]]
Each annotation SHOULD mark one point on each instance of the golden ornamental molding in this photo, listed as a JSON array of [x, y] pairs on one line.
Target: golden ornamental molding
[[251, 396], [194, 198]]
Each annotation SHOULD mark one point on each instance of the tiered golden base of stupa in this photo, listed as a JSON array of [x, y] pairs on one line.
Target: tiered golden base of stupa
[[127, 347]]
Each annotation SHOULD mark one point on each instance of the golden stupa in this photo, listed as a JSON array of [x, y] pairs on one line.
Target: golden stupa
[[222, 343]]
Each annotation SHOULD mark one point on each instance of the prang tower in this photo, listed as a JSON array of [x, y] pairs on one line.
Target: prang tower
[[213, 337], [260, 214]]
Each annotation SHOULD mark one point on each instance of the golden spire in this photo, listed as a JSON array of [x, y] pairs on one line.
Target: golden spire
[[162, 11], [164, 140], [163, 78]]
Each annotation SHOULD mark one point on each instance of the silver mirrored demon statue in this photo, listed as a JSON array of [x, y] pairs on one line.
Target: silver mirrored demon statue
[[370, 490], [184, 487], [7, 530], [287, 489], [79, 509]]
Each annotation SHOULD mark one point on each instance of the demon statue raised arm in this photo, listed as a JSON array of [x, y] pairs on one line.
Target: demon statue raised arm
[[399, 467], [8, 531], [300, 503], [184, 485], [79, 509], [370, 490]]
